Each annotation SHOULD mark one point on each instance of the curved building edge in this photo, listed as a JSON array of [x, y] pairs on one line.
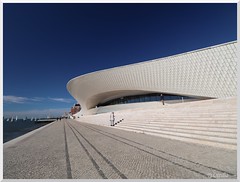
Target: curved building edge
[[204, 73]]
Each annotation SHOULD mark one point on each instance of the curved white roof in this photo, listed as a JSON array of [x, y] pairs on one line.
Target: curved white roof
[[208, 72]]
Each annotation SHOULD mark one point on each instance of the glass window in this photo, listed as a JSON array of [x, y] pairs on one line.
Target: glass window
[[144, 98], [152, 98]]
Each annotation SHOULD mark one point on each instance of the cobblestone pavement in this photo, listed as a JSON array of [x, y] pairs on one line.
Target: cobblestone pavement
[[70, 149]]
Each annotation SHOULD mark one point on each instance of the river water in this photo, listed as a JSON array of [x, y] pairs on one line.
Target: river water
[[17, 128]]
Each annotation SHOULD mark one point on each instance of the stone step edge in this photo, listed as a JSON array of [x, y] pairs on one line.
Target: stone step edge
[[204, 133], [184, 127], [184, 121], [212, 125], [194, 136], [189, 140]]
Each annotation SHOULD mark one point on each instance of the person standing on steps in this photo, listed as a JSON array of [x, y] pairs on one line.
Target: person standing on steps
[[162, 98], [112, 119]]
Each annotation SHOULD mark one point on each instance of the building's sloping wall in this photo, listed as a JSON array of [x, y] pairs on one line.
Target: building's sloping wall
[[209, 72]]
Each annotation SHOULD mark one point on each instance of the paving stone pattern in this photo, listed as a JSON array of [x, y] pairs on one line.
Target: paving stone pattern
[[69, 149]]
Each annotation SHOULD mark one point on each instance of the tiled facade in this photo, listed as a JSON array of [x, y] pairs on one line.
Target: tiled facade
[[209, 72]]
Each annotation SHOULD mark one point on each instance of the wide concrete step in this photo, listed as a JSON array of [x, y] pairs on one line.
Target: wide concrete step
[[182, 113], [210, 129], [179, 110], [185, 139], [190, 135], [207, 140], [187, 120], [156, 115], [230, 125], [180, 130], [196, 120], [203, 108], [191, 116], [197, 110]]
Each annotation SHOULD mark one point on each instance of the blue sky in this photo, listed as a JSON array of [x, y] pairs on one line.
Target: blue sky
[[46, 45]]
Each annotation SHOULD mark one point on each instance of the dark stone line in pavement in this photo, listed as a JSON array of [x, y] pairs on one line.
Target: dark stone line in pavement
[[108, 162], [100, 172], [178, 157], [69, 170], [164, 158], [69, 149]]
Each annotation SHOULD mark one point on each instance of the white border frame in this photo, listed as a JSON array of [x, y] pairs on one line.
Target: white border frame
[[108, 1]]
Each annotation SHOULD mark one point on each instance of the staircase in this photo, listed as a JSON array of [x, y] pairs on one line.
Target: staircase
[[209, 122]]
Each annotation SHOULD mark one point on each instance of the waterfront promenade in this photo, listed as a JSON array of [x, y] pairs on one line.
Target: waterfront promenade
[[70, 149]]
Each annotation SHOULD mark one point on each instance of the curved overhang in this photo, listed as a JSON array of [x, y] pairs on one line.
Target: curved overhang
[[209, 72]]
